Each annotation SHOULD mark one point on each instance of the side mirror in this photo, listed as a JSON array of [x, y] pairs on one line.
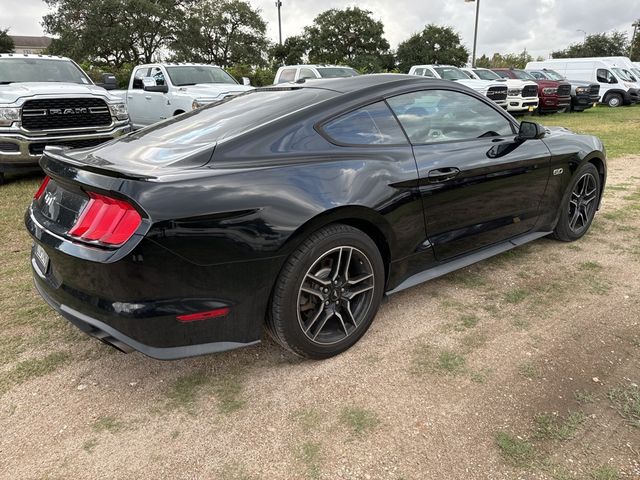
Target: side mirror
[[149, 85], [530, 131], [246, 81], [108, 82]]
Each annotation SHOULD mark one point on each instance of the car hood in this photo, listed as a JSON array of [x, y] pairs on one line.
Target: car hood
[[212, 91], [581, 83], [517, 83], [14, 91], [480, 84]]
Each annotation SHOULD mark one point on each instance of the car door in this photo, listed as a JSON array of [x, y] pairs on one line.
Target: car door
[[479, 185], [158, 106], [136, 102]]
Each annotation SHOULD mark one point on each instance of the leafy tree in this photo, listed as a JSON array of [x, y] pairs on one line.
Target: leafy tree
[[483, 62], [634, 48], [350, 36], [612, 44], [113, 32], [509, 60], [224, 32], [434, 45], [6, 42], [291, 52]]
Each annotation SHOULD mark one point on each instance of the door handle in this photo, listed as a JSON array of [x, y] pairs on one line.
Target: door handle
[[148, 97], [443, 174]]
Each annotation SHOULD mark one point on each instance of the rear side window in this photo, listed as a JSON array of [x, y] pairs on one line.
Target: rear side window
[[287, 75], [370, 125]]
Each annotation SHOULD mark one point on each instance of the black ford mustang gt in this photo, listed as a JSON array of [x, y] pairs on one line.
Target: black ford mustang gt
[[297, 206]]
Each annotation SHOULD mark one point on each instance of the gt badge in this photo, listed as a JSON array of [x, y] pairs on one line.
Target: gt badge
[[558, 171]]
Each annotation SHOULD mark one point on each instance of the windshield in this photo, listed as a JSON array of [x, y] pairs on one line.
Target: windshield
[[194, 74], [487, 75], [337, 72], [623, 74], [522, 75], [40, 70], [553, 75], [636, 72], [450, 73]]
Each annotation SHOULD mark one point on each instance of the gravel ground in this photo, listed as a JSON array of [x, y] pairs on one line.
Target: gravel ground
[[522, 366]]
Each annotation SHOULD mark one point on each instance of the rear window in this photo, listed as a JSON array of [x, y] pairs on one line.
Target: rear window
[[370, 125]]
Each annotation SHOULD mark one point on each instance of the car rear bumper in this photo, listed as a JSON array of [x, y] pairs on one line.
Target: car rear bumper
[[132, 302], [19, 151]]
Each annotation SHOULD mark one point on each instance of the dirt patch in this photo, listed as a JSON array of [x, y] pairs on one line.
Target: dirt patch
[[504, 370]]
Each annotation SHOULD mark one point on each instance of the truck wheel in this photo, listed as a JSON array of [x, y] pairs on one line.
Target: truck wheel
[[614, 100]]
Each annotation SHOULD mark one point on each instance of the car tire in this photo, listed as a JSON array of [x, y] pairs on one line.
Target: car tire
[[614, 100], [579, 204], [327, 293]]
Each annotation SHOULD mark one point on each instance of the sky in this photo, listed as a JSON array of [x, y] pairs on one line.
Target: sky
[[506, 26]]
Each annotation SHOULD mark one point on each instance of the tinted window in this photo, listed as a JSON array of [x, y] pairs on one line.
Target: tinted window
[[306, 73], [40, 70], [522, 75], [337, 72], [370, 125], [287, 75], [441, 115], [487, 74], [503, 74]]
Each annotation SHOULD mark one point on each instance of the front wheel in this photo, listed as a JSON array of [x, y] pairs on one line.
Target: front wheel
[[579, 204], [614, 100], [328, 293]]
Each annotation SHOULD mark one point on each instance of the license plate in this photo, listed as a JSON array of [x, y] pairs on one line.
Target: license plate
[[531, 109], [42, 258]]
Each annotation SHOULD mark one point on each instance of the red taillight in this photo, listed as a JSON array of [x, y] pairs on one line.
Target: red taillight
[[192, 317], [106, 220], [42, 188]]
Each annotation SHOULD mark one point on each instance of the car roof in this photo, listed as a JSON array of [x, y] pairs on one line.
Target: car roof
[[361, 82], [316, 65], [33, 55]]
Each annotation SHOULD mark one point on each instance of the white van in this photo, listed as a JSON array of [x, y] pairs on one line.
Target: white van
[[616, 86]]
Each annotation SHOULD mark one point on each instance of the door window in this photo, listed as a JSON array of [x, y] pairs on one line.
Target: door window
[[138, 76], [158, 75], [605, 76], [370, 125], [287, 75], [431, 116], [307, 73]]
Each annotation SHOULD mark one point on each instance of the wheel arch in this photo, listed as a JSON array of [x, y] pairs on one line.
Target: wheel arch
[[179, 111]]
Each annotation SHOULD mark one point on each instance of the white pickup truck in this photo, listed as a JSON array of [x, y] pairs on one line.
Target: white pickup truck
[[47, 100], [496, 91], [522, 96], [162, 90]]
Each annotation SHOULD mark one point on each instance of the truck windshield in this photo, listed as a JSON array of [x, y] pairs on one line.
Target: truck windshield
[[487, 75], [29, 69], [553, 75], [623, 74], [184, 75], [450, 73], [522, 75], [337, 72]]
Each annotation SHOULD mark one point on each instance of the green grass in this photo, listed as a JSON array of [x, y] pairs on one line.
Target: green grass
[[228, 390], [90, 445], [584, 397], [465, 322], [308, 419], [310, 454], [617, 127], [626, 401], [516, 450], [516, 296], [590, 266], [359, 420], [529, 370], [605, 472], [553, 427], [108, 424], [182, 393], [30, 369]]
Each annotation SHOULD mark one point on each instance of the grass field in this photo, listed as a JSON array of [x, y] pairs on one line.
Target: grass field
[[523, 366]]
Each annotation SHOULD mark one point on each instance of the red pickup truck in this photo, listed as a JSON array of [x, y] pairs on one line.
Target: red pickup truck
[[554, 96]]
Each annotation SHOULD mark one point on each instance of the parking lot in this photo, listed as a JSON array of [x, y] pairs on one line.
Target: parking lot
[[523, 366]]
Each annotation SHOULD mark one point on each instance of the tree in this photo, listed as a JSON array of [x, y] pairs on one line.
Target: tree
[[112, 32], [614, 44], [6, 42], [224, 32], [434, 45], [350, 36], [291, 52]]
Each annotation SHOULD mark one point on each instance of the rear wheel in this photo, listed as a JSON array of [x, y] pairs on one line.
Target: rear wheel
[[579, 204], [614, 100], [328, 293]]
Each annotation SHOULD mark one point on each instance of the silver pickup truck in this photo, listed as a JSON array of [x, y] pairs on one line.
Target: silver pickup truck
[[46, 100]]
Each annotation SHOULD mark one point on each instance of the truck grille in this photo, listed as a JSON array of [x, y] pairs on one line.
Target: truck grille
[[497, 93], [38, 148], [530, 91], [595, 90], [564, 90], [59, 113]]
